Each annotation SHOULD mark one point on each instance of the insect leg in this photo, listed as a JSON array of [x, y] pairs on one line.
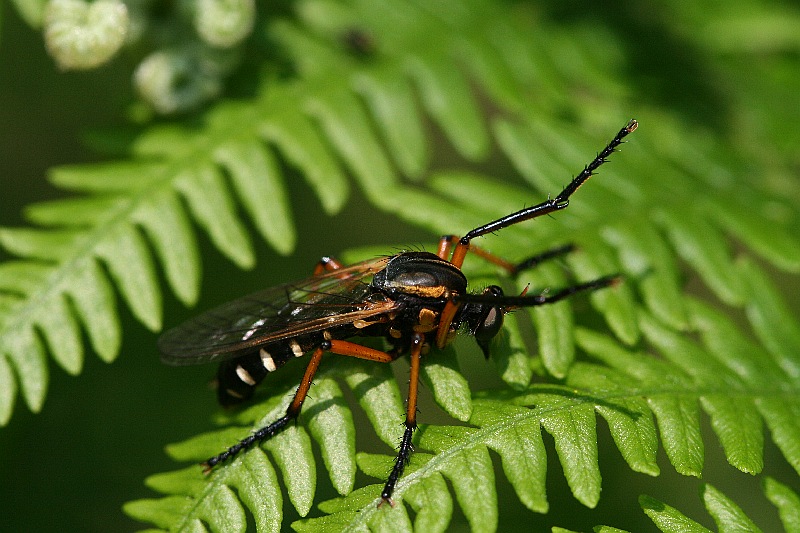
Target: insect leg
[[271, 430], [533, 300], [445, 321], [447, 243], [334, 346], [404, 452], [566, 292], [353, 349], [327, 264], [553, 204], [535, 260]]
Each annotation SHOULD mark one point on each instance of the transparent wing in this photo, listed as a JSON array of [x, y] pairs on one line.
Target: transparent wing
[[313, 304]]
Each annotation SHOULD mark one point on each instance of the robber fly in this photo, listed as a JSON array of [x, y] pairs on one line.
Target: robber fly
[[412, 299]]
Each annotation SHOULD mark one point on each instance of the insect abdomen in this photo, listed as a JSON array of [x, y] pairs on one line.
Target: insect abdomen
[[238, 378]]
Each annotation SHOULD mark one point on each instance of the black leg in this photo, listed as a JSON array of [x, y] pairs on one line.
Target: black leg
[[292, 412], [553, 204], [261, 435], [404, 452], [562, 200], [534, 300], [535, 260]]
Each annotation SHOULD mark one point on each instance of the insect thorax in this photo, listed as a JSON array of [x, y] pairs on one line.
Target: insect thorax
[[421, 283], [420, 274]]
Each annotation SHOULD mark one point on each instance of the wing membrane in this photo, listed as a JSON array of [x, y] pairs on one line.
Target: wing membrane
[[313, 304]]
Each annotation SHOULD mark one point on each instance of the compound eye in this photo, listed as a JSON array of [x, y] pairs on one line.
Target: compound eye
[[490, 323], [490, 326]]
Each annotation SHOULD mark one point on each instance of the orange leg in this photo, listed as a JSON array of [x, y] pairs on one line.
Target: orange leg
[[445, 322], [404, 452], [334, 346], [446, 245], [327, 264], [451, 244], [353, 349]]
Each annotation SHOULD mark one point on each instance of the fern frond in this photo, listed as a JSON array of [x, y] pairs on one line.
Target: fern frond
[[680, 207], [134, 207], [291, 451], [738, 384], [731, 379], [727, 515], [632, 394]]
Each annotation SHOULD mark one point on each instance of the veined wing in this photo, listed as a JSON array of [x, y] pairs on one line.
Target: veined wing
[[313, 304]]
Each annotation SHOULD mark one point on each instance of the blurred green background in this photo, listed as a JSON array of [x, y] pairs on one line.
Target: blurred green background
[[72, 466]]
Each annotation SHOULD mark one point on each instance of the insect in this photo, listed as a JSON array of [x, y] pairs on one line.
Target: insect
[[414, 300]]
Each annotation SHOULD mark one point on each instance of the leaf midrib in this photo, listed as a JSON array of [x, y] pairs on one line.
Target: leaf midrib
[[481, 435]]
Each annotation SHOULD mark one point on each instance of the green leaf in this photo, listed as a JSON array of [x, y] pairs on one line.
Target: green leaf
[[554, 323], [8, 390], [162, 512], [114, 177], [379, 397], [574, 433], [168, 228], [37, 244], [629, 420], [644, 255], [212, 206], [80, 211], [325, 408], [291, 451], [786, 500], [63, 336], [471, 474], [28, 357], [774, 324], [431, 501], [510, 355], [668, 519], [257, 180], [345, 123], [304, 146], [93, 297], [728, 516], [616, 304], [392, 104], [755, 230], [131, 266], [677, 415], [521, 449], [702, 246], [734, 419], [221, 511], [450, 390], [450, 102], [257, 488]]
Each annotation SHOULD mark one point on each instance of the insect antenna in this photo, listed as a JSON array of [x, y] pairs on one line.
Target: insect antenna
[[525, 300]]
